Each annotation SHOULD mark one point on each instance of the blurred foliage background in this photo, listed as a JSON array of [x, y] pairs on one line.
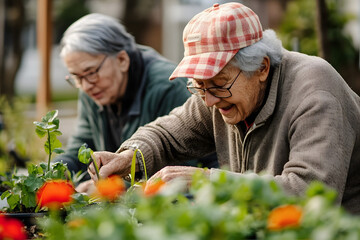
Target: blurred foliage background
[[19, 144], [298, 32]]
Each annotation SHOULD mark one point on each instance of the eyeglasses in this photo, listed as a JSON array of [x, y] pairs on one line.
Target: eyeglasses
[[219, 92], [92, 77]]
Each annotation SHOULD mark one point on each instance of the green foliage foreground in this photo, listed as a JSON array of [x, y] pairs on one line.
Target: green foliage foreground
[[223, 208]]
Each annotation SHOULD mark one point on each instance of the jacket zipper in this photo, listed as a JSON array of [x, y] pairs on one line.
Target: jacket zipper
[[245, 147]]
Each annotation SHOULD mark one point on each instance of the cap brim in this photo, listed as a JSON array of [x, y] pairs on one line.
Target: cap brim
[[203, 66]]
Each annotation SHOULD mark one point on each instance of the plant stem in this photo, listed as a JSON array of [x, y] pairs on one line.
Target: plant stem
[[48, 131], [133, 163], [96, 166]]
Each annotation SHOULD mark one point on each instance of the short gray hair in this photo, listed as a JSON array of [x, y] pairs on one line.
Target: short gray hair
[[249, 59], [97, 34]]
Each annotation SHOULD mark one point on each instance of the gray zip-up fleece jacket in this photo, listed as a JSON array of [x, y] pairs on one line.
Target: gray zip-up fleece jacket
[[308, 129]]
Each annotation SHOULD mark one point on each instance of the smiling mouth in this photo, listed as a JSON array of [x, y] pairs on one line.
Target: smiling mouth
[[96, 95], [226, 108]]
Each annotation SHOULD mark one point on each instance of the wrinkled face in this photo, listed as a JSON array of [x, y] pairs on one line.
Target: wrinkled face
[[110, 80], [247, 93]]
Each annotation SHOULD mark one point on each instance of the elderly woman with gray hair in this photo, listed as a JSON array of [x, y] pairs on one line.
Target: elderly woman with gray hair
[[122, 86]]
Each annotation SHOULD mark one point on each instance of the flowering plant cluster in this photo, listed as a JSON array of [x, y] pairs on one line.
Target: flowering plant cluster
[[21, 191], [249, 206], [45, 186], [246, 207]]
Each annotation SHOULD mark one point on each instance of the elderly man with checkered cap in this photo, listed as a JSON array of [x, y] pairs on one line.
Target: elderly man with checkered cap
[[260, 107]]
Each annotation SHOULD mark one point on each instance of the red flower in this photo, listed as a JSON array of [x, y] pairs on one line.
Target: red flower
[[54, 194], [110, 188], [11, 229], [153, 187], [284, 216]]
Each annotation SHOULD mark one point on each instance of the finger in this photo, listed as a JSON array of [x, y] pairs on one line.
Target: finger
[[170, 173], [93, 176], [92, 172], [91, 168], [155, 177], [82, 187], [99, 158], [109, 169]]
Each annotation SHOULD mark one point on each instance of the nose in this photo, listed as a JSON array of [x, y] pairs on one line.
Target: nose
[[210, 100]]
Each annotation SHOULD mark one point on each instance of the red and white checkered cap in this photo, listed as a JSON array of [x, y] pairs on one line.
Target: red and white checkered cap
[[214, 36]]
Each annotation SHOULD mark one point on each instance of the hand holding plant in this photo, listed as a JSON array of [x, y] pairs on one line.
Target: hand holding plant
[[86, 156]]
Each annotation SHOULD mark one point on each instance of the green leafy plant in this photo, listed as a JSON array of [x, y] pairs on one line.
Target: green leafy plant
[[21, 191], [226, 207], [49, 126]]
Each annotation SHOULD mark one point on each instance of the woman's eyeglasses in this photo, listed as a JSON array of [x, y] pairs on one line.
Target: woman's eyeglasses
[[92, 77]]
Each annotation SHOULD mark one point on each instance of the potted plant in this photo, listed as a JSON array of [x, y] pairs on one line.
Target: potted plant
[[22, 188]]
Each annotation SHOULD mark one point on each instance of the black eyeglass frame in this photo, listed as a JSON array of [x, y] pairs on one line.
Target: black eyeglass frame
[[196, 91], [77, 80]]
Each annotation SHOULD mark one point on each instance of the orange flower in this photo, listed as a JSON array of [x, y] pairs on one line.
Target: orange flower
[[54, 194], [76, 223], [284, 216], [110, 188], [153, 187], [11, 229]]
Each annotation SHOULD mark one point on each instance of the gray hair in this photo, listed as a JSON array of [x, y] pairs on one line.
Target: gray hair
[[250, 58], [97, 34]]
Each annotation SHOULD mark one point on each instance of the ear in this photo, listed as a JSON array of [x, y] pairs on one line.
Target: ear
[[263, 72], [124, 60]]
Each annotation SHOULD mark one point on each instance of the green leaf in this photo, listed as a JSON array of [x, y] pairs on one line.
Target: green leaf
[[13, 200], [57, 133], [5, 194], [56, 142], [50, 116], [40, 132], [28, 199], [49, 126], [56, 122], [43, 166], [33, 182], [58, 170], [32, 169], [44, 125], [84, 154], [58, 151], [40, 124]]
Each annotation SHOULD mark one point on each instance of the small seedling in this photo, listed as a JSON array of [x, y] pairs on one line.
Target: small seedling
[[86, 156], [49, 126]]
